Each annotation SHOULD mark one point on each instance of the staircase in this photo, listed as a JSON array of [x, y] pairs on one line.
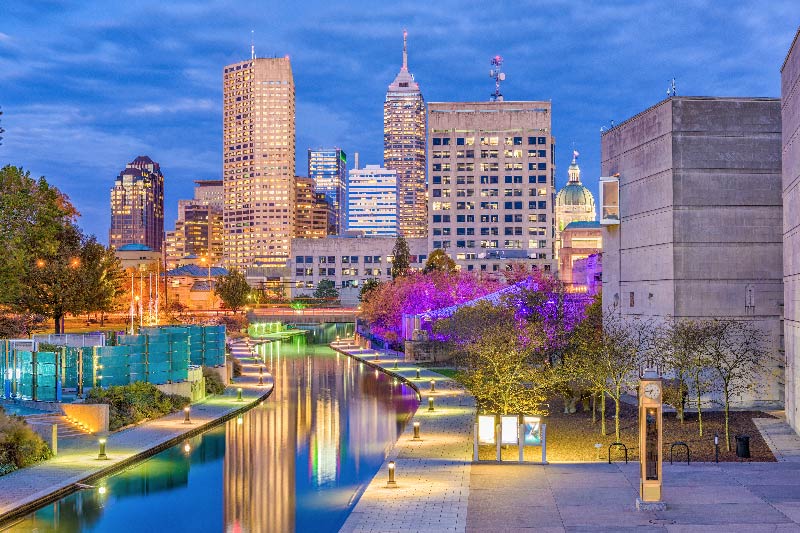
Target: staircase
[[67, 428]]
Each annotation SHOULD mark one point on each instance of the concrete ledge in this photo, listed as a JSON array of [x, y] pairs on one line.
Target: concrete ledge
[[650, 506], [94, 416]]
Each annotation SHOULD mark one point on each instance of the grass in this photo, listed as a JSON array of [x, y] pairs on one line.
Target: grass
[[447, 372]]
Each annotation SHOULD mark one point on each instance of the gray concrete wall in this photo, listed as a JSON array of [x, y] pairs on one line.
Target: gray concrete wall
[[701, 210], [790, 110]]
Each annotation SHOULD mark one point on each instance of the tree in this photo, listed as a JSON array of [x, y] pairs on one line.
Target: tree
[[680, 345], [326, 290], [2, 131], [232, 289], [735, 352], [366, 289], [504, 375], [439, 261], [401, 258], [103, 278], [469, 324]]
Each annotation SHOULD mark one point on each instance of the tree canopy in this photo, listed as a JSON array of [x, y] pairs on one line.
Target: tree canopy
[[232, 289], [439, 261], [326, 290], [401, 258]]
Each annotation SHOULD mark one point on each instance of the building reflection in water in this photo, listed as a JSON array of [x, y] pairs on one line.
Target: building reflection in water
[[294, 463]]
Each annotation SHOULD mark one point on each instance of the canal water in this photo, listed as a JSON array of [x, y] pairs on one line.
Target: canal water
[[297, 462]]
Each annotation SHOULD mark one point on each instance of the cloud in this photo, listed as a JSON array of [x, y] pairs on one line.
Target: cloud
[[177, 106]]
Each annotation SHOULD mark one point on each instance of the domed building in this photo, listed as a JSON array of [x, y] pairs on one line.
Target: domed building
[[574, 203]]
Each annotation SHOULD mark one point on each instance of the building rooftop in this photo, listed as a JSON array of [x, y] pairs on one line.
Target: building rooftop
[[134, 247], [197, 271], [583, 225]]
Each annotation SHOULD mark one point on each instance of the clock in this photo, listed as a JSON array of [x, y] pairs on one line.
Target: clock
[[652, 391]]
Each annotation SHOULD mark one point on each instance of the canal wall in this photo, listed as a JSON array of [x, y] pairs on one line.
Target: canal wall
[[433, 472], [77, 466]]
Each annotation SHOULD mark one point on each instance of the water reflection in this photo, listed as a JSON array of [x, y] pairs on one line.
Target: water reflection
[[294, 463]]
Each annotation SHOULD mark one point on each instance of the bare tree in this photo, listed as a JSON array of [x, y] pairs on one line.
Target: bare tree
[[735, 350], [681, 350]]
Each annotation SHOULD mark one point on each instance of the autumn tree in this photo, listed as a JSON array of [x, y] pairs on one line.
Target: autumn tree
[[233, 289], [369, 285], [439, 261], [401, 258]]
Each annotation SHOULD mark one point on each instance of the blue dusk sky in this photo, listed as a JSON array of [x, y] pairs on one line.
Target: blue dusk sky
[[87, 85]]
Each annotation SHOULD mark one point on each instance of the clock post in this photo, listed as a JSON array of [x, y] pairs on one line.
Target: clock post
[[651, 443]]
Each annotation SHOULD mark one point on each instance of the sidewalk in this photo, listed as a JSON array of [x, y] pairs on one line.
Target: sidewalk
[[433, 473], [28, 488]]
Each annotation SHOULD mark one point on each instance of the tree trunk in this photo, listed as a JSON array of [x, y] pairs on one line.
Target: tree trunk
[[57, 323], [102, 318], [594, 408], [616, 414], [603, 413], [727, 414], [699, 409]]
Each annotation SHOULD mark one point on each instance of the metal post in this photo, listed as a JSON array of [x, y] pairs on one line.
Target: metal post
[[521, 442], [497, 441], [34, 380], [716, 447], [475, 444], [544, 444]]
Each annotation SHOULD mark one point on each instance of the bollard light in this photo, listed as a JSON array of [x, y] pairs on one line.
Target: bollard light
[[260, 376], [239, 394], [395, 363], [186, 419], [391, 483], [433, 385], [239, 420], [430, 403], [187, 448], [102, 490], [102, 454], [416, 430], [337, 339], [418, 373]]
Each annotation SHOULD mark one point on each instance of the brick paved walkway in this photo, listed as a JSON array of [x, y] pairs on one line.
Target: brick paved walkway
[[432, 473], [24, 489]]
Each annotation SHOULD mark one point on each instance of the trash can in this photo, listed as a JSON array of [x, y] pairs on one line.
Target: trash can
[[743, 446]]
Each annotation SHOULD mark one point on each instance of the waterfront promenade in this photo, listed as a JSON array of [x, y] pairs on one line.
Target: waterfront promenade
[[77, 462], [440, 489]]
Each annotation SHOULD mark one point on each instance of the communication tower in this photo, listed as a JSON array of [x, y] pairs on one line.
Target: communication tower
[[497, 73]]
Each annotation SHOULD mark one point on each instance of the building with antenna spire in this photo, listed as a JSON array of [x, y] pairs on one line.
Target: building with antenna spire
[[404, 147]]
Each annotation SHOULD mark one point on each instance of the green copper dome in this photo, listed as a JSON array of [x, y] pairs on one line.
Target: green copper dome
[[574, 194]]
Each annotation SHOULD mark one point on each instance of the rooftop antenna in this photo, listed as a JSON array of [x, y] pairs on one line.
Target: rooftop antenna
[[672, 90], [497, 73], [252, 45], [405, 49]]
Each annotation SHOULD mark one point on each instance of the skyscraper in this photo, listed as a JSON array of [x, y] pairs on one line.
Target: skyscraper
[[258, 162], [404, 148], [313, 218], [137, 205], [372, 201], [491, 190], [198, 229], [328, 168]]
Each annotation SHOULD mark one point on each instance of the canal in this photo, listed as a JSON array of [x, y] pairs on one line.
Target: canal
[[297, 462]]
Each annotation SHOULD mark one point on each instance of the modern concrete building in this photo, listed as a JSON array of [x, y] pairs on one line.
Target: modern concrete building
[[348, 262], [699, 233], [404, 148], [372, 201], [327, 167], [137, 205], [314, 216], [491, 186], [199, 228], [790, 112], [574, 203], [579, 240], [258, 128]]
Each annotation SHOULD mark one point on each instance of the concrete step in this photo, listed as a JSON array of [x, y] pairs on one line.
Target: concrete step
[[67, 428]]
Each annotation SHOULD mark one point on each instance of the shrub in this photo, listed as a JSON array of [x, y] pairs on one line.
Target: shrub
[[128, 404], [237, 366], [214, 384], [20, 446]]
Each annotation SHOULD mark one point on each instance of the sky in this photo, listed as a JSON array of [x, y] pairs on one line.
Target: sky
[[88, 85]]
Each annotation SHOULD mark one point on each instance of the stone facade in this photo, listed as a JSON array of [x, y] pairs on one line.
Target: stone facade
[[790, 110], [700, 216], [579, 240]]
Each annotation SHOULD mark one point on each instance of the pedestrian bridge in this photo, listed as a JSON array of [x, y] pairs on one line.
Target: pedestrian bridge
[[318, 315]]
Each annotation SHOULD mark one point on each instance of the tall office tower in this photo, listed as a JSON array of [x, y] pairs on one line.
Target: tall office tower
[[404, 148], [198, 229], [372, 201], [258, 162], [328, 168], [137, 205], [492, 184], [313, 217]]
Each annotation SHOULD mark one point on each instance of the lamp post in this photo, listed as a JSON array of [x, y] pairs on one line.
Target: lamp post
[[391, 483], [416, 430], [186, 419], [102, 455]]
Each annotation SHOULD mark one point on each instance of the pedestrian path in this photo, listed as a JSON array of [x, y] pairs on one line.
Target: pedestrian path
[[25, 489], [432, 473], [780, 437]]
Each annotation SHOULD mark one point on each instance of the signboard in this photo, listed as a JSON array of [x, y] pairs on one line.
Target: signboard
[[509, 429], [486, 429], [532, 427]]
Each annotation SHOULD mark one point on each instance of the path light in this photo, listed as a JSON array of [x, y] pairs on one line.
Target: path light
[[102, 454], [395, 363], [391, 483], [187, 448], [101, 490], [430, 403], [418, 373], [260, 376], [239, 395], [416, 430], [186, 419], [433, 385], [239, 420]]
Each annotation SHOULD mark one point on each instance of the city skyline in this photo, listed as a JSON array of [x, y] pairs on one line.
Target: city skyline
[[72, 114]]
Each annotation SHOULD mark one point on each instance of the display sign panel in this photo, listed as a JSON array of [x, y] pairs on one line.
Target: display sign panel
[[532, 426], [486, 429], [509, 429]]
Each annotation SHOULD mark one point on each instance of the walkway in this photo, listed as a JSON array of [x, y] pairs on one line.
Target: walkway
[[26, 489], [433, 474]]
